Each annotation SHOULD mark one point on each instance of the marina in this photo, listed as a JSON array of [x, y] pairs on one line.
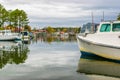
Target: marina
[[59, 40], [51, 59]]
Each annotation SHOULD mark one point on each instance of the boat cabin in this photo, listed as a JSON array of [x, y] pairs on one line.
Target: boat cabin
[[25, 35], [5, 32], [113, 26], [89, 27]]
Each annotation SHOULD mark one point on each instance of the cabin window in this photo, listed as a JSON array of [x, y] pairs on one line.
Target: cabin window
[[116, 27], [25, 33], [105, 28]]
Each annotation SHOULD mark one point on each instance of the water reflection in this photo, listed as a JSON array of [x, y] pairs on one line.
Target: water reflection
[[92, 64], [50, 39], [12, 53]]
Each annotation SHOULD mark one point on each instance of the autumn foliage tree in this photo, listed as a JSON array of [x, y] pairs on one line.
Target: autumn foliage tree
[[49, 29], [28, 28]]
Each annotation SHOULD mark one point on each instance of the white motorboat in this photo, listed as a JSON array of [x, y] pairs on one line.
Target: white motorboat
[[105, 42], [6, 35]]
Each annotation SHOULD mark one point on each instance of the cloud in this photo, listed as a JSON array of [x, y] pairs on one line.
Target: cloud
[[64, 12]]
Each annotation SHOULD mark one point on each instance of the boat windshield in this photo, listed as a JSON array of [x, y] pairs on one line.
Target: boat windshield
[[116, 27], [24, 33], [105, 28]]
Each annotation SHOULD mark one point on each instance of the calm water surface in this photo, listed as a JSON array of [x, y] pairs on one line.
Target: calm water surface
[[48, 59]]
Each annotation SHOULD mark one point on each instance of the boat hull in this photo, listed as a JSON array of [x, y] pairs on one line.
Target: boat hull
[[9, 38], [98, 49]]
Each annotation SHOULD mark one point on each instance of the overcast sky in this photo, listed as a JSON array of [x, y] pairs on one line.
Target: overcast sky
[[43, 13]]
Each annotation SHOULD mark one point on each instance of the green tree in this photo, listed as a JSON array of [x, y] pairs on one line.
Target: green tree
[[118, 17], [10, 18], [3, 15], [18, 18], [14, 18], [23, 19]]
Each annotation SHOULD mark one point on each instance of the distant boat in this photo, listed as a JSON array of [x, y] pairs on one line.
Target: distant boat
[[7, 35], [25, 35], [105, 42]]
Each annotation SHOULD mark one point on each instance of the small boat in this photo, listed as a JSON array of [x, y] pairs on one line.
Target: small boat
[[7, 35], [25, 35], [105, 42]]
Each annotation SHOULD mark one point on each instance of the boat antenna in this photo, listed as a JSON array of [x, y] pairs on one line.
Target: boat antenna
[[102, 17], [92, 21]]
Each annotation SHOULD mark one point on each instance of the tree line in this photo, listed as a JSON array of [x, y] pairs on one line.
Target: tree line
[[15, 18], [50, 29]]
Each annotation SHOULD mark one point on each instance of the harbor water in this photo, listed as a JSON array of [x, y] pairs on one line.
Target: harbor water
[[48, 58]]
